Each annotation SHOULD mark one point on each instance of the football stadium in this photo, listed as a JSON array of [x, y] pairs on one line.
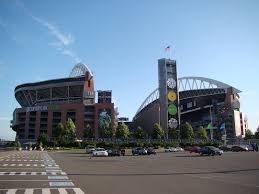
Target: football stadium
[[199, 101]]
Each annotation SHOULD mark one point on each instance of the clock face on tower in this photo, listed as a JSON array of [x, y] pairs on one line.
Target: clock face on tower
[[173, 123], [171, 83]]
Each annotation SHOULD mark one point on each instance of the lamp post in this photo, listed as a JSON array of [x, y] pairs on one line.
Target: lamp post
[[211, 130]]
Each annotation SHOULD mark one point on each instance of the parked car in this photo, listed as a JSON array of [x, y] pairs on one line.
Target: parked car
[[210, 150], [151, 151], [225, 148], [89, 149], [250, 148], [170, 149], [114, 152], [100, 152], [139, 151], [179, 149], [239, 149], [188, 148], [195, 149]]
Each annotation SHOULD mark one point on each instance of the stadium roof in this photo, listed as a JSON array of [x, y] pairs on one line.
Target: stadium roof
[[189, 84]]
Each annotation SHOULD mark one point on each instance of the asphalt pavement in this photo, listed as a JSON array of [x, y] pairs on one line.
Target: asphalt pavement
[[163, 173], [68, 172]]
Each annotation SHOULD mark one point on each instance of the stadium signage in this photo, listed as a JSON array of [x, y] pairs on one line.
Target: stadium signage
[[36, 108]]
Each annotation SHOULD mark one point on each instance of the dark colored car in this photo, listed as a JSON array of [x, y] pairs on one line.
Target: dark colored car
[[188, 148], [195, 149], [210, 150], [139, 151], [238, 149], [114, 152], [151, 151], [225, 148]]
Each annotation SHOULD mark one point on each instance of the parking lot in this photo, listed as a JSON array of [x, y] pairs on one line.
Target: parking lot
[[77, 172], [33, 173]]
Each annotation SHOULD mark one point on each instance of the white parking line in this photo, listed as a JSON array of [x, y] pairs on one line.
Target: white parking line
[[78, 191], [28, 191], [46, 191], [43, 190], [62, 190], [11, 191]]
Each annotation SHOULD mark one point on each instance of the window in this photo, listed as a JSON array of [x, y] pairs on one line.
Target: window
[[189, 105]]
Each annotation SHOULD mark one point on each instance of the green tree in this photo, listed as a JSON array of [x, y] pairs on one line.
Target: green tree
[[17, 143], [139, 133], [158, 132], [256, 135], [201, 133], [107, 133], [173, 134], [186, 131], [88, 132], [58, 130], [122, 131], [249, 134], [68, 133], [43, 138]]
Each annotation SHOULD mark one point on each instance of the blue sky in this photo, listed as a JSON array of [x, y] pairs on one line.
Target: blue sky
[[121, 42]]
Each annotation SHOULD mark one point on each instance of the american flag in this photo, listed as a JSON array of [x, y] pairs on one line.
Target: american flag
[[167, 49]]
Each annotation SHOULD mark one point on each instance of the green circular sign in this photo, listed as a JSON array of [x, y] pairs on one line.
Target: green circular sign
[[172, 110]]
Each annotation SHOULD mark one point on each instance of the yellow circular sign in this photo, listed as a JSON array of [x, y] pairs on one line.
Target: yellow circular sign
[[171, 96]]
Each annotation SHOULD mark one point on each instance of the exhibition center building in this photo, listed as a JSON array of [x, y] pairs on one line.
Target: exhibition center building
[[47, 103]]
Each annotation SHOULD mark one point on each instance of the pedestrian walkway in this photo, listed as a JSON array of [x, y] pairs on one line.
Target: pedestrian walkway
[[22, 171], [42, 191]]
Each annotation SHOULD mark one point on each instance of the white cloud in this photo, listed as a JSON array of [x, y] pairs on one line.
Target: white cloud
[[62, 39], [71, 54]]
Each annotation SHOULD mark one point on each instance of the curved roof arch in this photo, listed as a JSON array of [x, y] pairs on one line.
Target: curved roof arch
[[79, 70], [186, 84], [198, 83]]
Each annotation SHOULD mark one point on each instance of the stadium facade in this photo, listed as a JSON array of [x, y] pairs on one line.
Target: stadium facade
[[45, 104], [196, 100]]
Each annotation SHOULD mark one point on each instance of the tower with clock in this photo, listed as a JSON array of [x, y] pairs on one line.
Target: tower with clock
[[168, 95]]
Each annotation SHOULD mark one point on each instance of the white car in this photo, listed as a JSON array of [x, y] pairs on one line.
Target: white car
[[89, 149], [244, 147], [170, 149], [100, 152], [179, 149]]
